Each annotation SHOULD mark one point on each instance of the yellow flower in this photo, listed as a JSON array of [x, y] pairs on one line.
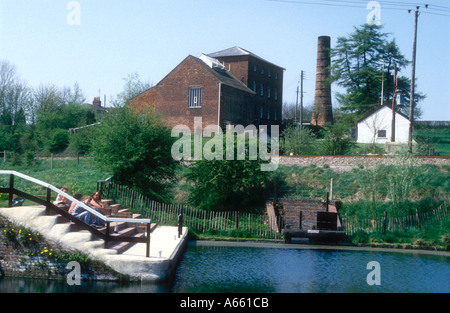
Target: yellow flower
[[20, 231]]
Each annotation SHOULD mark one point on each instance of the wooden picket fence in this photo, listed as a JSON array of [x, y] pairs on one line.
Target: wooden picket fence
[[233, 223], [391, 224]]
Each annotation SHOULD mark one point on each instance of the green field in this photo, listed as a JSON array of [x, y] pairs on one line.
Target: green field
[[436, 137]]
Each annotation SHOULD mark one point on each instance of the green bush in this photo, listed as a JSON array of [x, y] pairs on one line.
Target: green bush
[[298, 141], [60, 141], [16, 159], [336, 140], [360, 237], [82, 141]]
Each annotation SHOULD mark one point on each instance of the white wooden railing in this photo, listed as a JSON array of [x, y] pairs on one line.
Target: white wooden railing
[[11, 190]]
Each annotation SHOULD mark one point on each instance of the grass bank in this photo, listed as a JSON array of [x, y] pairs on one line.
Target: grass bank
[[79, 176], [357, 189]]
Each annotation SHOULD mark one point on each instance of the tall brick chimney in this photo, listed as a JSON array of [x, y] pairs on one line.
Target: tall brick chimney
[[322, 112]]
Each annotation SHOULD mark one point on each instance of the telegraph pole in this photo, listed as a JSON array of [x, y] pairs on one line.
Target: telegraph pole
[[296, 108], [413, 79], [302, 76], [393, 104]]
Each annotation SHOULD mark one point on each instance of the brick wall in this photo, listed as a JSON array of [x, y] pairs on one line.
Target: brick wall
[[238, 66], [171, 95], [147, 98], [237, 107], [309, 208], [252, 71], [290, 211]]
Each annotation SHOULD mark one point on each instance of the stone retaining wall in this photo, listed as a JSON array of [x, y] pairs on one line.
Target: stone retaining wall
[[345, 163], [35, 260]]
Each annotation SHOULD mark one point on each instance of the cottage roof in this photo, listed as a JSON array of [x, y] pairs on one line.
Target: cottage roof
[[377, 109], [238, 51]]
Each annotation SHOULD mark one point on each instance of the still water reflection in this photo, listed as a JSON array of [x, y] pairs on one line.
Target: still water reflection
[[237, 269]]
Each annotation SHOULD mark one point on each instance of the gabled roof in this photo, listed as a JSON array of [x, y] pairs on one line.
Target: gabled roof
[[220, 73], [377, 109], [224, 76], [238, 51]]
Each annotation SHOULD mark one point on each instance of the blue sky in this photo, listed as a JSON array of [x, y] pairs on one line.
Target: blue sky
[[116, 38]]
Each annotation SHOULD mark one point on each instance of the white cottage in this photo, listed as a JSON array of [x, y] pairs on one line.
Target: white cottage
[[376, 127]]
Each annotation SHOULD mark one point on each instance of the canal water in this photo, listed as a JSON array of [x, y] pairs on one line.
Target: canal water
[[277, 268]]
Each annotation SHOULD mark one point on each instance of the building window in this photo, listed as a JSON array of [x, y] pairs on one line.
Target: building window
[[195, 97], [254, 86], [254, 68], [269, 73], [268, 113], [275, 96], [275, 115], [261, 112], [382, 133], [262, 90], [262, 71], [276, 75], [268, 91]]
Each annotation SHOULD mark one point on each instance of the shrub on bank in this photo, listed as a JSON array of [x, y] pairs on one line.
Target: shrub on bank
[[430, 235]]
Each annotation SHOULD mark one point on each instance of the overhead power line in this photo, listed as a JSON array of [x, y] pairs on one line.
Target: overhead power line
[[387, 5]]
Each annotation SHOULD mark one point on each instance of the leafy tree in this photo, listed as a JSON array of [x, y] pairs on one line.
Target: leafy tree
[[227, 185], [359, 61], [133, 87], [136, 148], [82, 140], [59, 108], [15, 105], [15, 96], [291, 111]]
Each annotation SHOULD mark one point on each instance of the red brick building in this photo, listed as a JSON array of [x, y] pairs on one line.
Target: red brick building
[[232, 86]]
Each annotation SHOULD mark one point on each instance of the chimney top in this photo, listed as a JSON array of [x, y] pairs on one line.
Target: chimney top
[[97, 102]]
